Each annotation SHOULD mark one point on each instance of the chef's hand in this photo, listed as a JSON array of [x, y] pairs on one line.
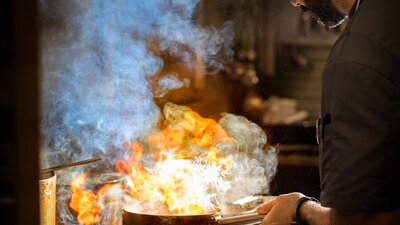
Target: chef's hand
[[281, 210]]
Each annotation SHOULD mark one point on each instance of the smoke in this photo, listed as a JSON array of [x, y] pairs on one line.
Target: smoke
[[253, 167], [168, 82], [97, 59]]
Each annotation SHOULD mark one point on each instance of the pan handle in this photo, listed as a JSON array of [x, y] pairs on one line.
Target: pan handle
[[252, 217], [65, 166], [247, 219]]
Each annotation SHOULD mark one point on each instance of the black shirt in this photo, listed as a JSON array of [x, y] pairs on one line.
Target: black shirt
[[360, 132]]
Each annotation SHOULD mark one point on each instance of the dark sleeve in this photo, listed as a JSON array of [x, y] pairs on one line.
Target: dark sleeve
[[360, 149]]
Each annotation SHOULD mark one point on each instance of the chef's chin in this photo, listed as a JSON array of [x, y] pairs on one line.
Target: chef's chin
[[324, 12]]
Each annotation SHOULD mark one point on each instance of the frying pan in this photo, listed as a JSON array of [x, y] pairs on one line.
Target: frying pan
[[132, 218]]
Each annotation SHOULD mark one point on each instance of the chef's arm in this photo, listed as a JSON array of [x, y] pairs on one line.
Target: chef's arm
[[313, 213], [282, 210]]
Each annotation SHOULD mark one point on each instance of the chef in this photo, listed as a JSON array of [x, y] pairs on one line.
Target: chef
[[359, 128]]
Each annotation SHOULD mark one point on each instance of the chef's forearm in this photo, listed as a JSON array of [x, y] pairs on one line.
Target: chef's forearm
[[312, 213]]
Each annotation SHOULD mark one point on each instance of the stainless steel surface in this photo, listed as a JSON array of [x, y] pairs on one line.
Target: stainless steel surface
[[69, 165], [252, 218]]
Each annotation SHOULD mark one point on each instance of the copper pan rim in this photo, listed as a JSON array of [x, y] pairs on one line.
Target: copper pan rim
[[132, 218]]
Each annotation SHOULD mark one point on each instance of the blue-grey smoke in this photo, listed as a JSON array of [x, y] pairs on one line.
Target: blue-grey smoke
[[97, 57]]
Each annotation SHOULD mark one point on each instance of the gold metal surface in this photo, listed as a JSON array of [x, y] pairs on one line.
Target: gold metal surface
[[47, 198]]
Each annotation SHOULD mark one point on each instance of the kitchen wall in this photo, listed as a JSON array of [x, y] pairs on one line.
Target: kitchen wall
[[302, 48], [278, 52], [290, 50]]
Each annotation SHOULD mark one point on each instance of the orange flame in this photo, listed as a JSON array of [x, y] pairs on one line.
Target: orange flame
[[186, 137], [84, 202]]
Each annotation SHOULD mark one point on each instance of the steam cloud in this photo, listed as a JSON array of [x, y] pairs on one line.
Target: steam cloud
[[97, 57]]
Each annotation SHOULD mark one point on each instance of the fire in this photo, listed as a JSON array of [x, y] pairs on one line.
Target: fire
[[84, 202], [184, 152]]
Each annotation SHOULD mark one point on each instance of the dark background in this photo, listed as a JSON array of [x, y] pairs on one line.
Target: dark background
[[19, 136]]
